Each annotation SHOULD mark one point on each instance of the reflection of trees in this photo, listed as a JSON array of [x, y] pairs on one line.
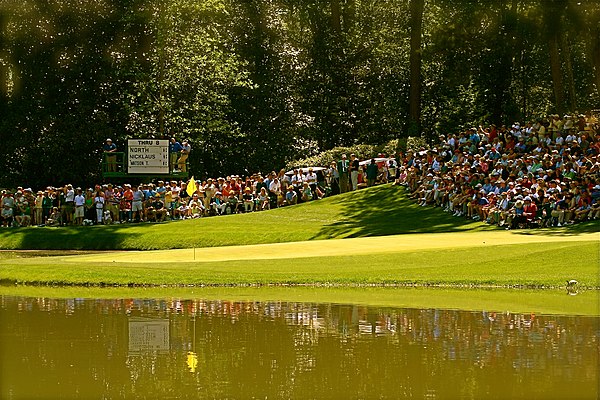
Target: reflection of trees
[[291, 350]]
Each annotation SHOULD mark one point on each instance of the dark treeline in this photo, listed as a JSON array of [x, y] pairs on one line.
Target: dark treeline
[[256, 83]]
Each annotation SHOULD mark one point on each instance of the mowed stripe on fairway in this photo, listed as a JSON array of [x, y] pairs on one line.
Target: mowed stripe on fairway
[[335, 247]]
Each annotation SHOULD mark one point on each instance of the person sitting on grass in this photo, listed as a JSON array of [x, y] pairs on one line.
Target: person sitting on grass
[[263, 201], [218, 205], [529, 211], [499, 213], [232, 203], [156, 211], [54, 218], [248, 199], [8, 203], [291, 197], [22, 215], [306, 192]]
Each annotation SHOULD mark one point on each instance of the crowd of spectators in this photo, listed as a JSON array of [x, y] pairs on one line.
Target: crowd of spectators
[[542, 173], [162, 201]]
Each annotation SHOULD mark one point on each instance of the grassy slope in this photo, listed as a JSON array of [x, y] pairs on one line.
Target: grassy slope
[[374, 212], [382, 210]]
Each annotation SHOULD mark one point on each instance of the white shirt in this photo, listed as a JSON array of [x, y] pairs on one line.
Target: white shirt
[[311, 178], [99, 201], [79, 200], [275, 186]]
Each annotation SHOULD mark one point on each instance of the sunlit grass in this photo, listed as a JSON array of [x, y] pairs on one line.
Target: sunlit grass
[[526, 264], [382, 210]]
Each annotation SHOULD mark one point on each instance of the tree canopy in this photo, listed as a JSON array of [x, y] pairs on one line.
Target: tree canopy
[[255, 84]]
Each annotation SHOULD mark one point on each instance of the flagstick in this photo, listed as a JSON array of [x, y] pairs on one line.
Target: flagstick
[[192, 184]]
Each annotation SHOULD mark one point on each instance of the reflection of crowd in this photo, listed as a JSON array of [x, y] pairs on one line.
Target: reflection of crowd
[[543, 173], [485, 337]]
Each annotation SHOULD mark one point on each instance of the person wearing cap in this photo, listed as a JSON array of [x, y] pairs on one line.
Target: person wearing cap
[[209, 193], [137, 204], [69, 207], [38, 214], [372, 172], [233, 203], [248, 198], [291, 197], [195, 208], [8, 205], [353, 167], [79, 206], [156, 210], [22, 211], [499, 212], [184, 153], [515, 215], [529, 210], [174, 151], [343, 167], [109, 149], [99, 205], [111, 202], [218, 205]]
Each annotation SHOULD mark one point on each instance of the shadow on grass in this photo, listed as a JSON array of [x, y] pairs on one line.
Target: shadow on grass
[[66, 238], [570, 230], [386, 210]]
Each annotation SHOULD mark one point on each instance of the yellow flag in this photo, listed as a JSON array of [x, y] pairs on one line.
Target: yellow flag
[[191, 187], [192, 361]]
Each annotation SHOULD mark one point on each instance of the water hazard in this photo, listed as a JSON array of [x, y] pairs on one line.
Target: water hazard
[[162, 349]]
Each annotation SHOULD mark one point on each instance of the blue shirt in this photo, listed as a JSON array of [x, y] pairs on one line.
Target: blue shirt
[[175, 147], [109, 147]]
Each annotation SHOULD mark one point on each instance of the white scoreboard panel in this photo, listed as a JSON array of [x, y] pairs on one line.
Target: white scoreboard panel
[[147, 156]]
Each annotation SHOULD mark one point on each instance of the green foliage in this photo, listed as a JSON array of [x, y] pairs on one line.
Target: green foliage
[[256, 84], [362, 151]]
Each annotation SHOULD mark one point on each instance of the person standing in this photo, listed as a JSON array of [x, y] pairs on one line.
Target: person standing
[[136, 205], [343, 167], [353, 167], [185, 153], [311, 178], [174, 150], [372, 171], [99, 205], [333, 179], [79, 207], [111, 159], [69, 204], [8, 205], [38, 210]]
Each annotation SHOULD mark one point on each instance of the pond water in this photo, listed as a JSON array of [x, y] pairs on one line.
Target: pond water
[[165, 348]]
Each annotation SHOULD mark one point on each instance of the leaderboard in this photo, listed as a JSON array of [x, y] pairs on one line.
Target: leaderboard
[[147, 156]]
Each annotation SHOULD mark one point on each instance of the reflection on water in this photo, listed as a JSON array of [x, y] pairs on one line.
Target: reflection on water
[[94, 349]]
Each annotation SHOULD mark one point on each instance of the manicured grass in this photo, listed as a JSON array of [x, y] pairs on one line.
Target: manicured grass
[[498, 300], [393, 241], [534, 264], [377, 211]]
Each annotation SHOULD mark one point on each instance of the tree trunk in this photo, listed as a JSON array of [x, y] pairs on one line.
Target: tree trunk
[[416, 23], [569, 69], [556, 70], [349, 15], [595, 54], [336, 16], [553, 26]]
